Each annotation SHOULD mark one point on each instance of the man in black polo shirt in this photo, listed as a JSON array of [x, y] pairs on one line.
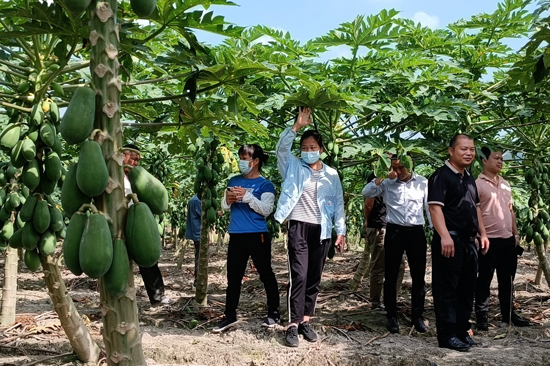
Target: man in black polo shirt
[[456, 217]]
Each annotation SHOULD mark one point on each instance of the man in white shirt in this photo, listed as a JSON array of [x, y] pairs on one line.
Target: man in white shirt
[[406, 195], [152, 278]]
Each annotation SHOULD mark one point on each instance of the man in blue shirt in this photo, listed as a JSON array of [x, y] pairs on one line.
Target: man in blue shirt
[[406, 195], [193, 228]]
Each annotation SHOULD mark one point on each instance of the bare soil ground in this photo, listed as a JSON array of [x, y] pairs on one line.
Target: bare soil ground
[[350, 333]]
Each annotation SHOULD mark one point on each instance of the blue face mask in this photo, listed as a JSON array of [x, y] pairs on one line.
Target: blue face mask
[[310, 157], [244, 166]]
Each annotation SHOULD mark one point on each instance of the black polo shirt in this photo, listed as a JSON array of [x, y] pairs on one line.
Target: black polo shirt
[[457, 194]]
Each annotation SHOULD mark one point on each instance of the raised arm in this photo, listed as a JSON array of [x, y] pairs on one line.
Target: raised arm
[[284, 146]]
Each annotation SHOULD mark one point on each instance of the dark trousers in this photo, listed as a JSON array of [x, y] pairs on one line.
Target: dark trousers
[[453, 287], [412, 242], [154, 285], [242, 247], [501, 257], [306, 260], [197, 245]]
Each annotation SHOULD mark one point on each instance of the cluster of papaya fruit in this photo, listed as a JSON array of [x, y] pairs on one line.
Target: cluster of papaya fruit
[[273, 227], [143, 8], [33, 144], [208, 163], [537, 224], [334, 154]]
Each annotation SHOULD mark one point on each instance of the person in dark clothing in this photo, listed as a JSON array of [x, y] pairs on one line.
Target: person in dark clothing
[[405, 195], [152, 278], [495, 196], [456, 217], [250, 198], [193, 229]]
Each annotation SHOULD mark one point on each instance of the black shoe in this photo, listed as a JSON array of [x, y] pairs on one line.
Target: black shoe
[[420, 326], [393, 325], [518, 321], [226, 323], [469, 341], [455, 344], [308, 333], [291, 337], [482, 321], [271, 320]]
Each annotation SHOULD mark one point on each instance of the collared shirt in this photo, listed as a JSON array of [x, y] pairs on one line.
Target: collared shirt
[[495, 200], [457, 194], [404, 200], [295, 172]]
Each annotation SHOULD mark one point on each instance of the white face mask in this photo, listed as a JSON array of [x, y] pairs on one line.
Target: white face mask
[[310, 157], [244, 166]]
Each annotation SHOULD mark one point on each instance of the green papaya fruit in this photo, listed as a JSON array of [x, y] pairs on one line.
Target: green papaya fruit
[[7, 230], [56, 219], [61, 233], [57, 145], [37, 114], [544, 215], [15, 200], [96, 247], [41, 216], [4, 214], [211, 215], [220, 158], [27, 211], [10, 136], [28, 149], [16, 240], [77, 6], [534, 183], [58, 90], [149, 190], [78, 121], [116, 277], [2, 196], [29, 237], [197, 187], [72, 197], [545, 233], [16, 157], [7, 205], [52, 166], [3, 177], [92, 175], [46, 184], [47, 134], [20, 223], [23, 88], [215, 204], [54, 112], [199, 163], [207, 173], [142, 237], [71, 244], [11, 171], [25, 191], [530, 215], [543, 187], [143, 8], [46, 245], [32, 260], [33, 133], [530, 175], [537, 238], [31, 174]]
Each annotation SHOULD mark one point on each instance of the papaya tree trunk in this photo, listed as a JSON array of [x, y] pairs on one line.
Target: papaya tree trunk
[[80, 338], [202, 276], [544, 266], [121, 332], [9, 289], [362, 269]]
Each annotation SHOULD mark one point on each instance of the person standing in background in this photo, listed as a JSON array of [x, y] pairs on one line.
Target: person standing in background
[[406, 195], [495, 197], [152, 278], [193, 229]]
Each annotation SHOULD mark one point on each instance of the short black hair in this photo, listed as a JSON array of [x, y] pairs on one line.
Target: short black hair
[[454, 139], [312, 133], [131, 146], [486, 151], [254, 151]]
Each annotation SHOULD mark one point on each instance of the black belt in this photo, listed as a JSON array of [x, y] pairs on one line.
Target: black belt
[[463, 235], [402, 227]]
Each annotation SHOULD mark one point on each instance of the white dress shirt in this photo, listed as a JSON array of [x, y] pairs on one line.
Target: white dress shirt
[[404, 200]]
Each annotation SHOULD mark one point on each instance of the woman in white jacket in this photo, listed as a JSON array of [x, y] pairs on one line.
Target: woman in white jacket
[[312, 202]]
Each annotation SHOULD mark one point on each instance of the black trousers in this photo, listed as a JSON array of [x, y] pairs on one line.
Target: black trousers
[[154, 284], [306, 260], [197, 245], [501, 257], [453, 287], [412, 242], [242, 247]]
